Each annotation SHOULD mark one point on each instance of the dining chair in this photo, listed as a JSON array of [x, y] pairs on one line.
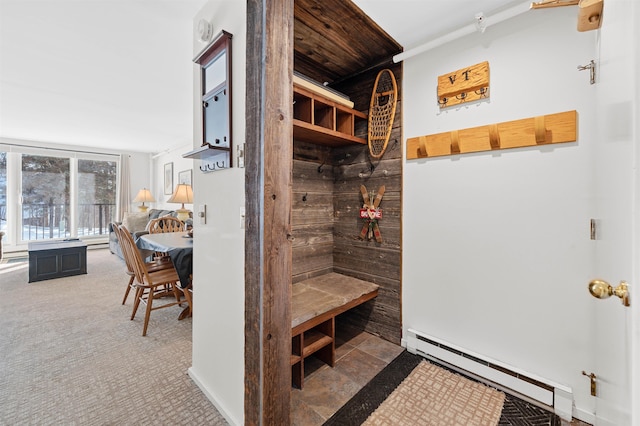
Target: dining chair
[[166, 224], [155, 265], [150, 284]]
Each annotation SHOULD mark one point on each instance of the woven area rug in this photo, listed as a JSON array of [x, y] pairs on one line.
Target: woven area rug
[[431, 395], [515, 411]]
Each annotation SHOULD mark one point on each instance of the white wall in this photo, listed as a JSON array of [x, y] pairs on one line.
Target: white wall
[[179, 164], [496, 249], [139, 175], [635, 329], [218, 270]]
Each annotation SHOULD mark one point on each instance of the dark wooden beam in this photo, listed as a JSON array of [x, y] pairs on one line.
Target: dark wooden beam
[[268, 165]]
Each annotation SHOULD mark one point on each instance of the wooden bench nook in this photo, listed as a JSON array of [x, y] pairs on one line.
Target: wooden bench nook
[[315, 303]]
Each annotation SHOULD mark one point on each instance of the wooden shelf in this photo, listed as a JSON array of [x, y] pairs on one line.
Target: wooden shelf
[[206, 151], [213, 157], [314, 340], [322, 121], [295, 359]]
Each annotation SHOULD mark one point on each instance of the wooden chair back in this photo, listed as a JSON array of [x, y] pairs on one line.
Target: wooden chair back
[[166, 224], [132, 256], [149, 281], [127, 260]]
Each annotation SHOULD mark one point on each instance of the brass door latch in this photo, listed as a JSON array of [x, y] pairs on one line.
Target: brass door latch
[[592, 378]]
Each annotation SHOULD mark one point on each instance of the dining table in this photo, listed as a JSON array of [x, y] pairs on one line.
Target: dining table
[[179, 247]]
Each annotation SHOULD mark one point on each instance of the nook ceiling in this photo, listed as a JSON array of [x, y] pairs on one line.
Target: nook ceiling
[[335, 39]]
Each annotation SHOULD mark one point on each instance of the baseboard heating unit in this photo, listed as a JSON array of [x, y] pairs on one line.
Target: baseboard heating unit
[[544, 391]]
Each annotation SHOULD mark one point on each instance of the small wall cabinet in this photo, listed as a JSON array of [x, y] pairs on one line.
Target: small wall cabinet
[[216, 151], [321, 121]]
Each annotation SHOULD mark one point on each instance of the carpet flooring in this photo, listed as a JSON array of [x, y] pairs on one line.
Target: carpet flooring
[[515, 412], [70, 355]]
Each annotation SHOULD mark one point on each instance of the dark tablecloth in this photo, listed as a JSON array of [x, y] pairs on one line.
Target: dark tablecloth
[[178, 245]]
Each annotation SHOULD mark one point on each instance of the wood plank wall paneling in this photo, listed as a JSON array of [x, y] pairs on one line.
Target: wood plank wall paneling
[[268, 187], [312, 211], [333, 201], [253, 205], [368, 260]]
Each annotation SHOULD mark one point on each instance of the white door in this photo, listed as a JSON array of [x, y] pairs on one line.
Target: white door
[[617, 183]]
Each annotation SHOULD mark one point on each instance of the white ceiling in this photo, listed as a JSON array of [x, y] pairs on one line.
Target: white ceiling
[[117, 73], [413, 22]]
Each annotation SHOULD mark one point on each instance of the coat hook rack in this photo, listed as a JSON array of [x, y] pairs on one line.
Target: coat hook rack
[[592, 70], [533, 131], [213, 157], [464, 85], [211, 166]]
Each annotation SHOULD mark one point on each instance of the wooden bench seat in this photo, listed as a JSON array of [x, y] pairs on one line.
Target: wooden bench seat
[[315, 303]]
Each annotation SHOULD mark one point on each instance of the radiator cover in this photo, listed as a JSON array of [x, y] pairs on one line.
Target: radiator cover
[[553, 395]]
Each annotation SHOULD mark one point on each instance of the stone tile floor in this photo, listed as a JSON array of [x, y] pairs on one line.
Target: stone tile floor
[[359, 357]]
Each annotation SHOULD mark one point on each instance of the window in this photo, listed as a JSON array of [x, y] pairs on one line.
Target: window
[[96, 196], [45, 197], [50, 194]]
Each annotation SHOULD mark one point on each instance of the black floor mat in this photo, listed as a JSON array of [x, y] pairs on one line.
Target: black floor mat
[[515, 411]]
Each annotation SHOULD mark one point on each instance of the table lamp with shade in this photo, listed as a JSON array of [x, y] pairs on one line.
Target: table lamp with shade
[[144, 195], [182, 194]]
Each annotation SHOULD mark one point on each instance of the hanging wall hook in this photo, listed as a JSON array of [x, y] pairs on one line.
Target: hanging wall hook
[[483, 92], [592, 70]]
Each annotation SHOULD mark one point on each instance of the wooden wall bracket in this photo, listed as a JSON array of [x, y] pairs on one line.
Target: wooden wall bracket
[[589, 11], [541, 130]]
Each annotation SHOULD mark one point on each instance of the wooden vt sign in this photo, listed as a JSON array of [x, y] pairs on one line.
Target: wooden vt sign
[[464, 85]]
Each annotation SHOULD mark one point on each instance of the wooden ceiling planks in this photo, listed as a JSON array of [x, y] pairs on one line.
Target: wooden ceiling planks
[[334, 39]]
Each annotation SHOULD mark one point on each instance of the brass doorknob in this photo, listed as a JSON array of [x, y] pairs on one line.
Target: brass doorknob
[[602, 290]]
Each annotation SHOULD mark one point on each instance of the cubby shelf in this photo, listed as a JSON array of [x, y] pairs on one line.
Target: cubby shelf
[[322, 121], [318, 341]]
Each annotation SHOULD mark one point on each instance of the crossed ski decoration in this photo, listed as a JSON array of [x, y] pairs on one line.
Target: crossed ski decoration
[[370, 213]]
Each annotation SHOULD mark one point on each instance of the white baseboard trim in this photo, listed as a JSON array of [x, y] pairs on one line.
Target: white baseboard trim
[[211, 397], [585, 416]]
